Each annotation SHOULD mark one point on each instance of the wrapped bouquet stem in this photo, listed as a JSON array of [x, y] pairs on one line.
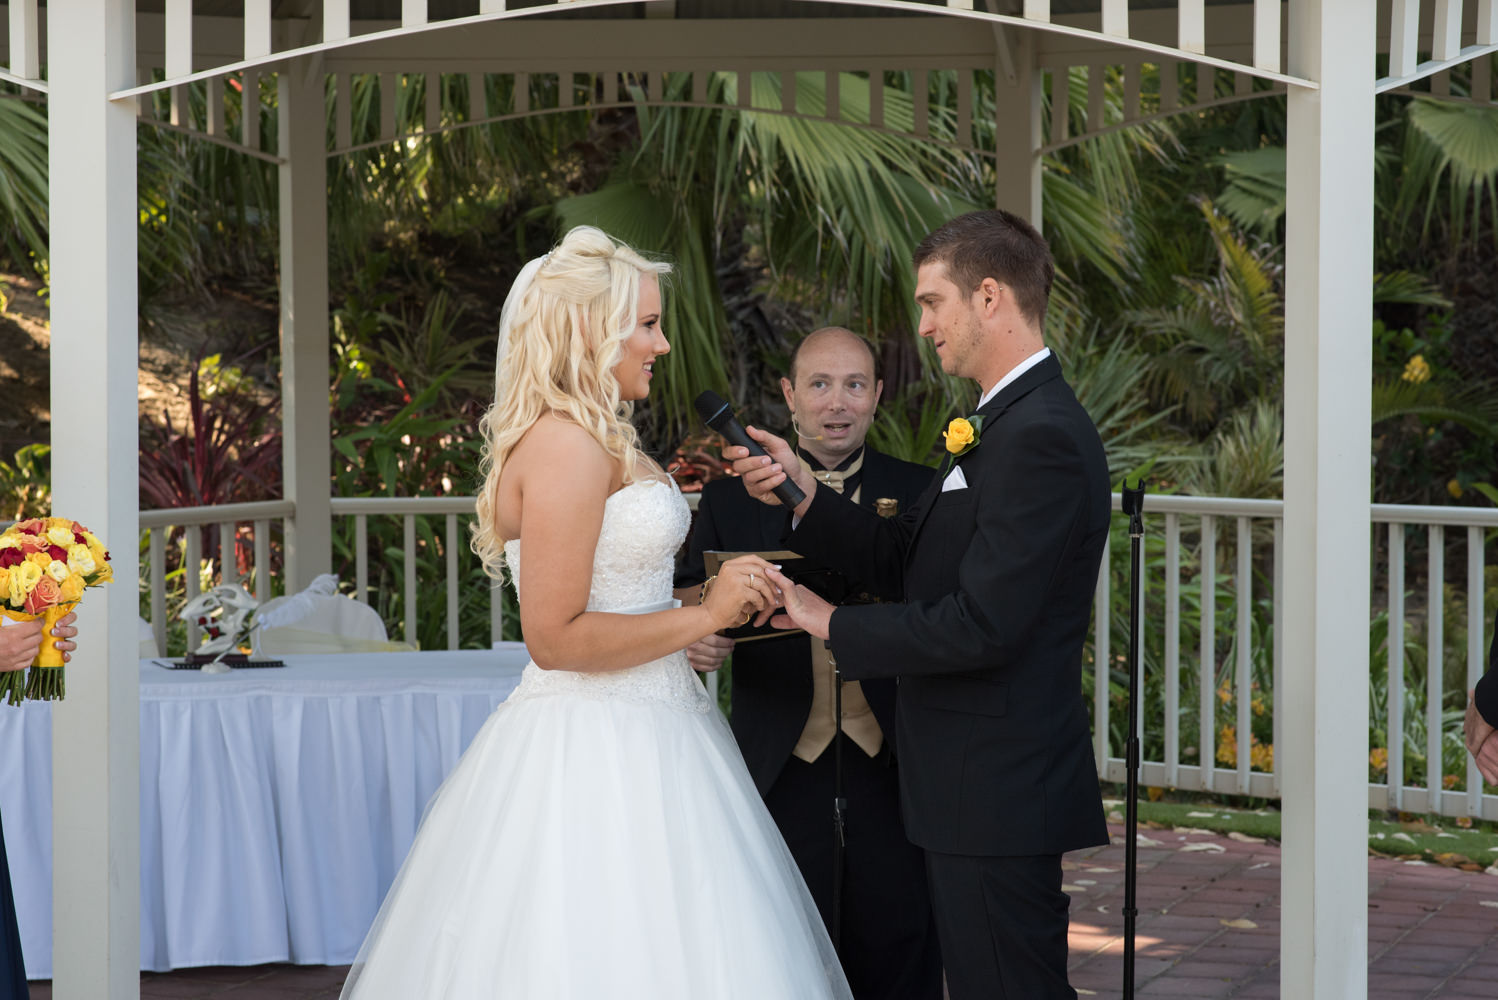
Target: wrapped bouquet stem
[[45, 565]]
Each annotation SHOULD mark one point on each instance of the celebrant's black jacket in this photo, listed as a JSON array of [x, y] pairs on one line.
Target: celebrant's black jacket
[[772, 690], [1486, 694], [997, 581]]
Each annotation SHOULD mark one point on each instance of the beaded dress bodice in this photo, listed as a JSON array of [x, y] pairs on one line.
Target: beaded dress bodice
[[633, 566]]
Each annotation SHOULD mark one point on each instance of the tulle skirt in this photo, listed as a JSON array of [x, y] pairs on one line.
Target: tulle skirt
[[596, 848]]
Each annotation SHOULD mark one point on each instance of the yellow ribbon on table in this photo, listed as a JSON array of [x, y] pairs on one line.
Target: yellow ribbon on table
[[48, 656]]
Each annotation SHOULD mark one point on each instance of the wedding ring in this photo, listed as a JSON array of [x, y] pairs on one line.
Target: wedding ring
[[748, 615], [751, 578]]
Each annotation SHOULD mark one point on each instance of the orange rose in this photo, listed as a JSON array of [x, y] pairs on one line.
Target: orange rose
[[45, 594]]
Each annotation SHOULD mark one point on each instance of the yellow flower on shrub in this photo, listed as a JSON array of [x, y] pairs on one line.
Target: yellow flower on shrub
[[1454, 487], [1378, 759], [1417, 370]]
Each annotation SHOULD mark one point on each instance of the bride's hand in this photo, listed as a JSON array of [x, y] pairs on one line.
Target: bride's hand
[[739, 592]]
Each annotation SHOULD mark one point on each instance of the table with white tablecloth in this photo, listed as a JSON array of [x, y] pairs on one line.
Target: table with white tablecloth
[[276, 804]]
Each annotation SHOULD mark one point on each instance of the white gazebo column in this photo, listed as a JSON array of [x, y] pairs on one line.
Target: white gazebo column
[[1017, 135], [1323, 759], [307, 471], [95, 479]]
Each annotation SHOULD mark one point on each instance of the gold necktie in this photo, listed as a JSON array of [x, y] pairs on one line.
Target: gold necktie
[[858, 718]]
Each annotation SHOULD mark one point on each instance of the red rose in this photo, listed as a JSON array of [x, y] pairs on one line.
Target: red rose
[[78, 538], [45, 594], [58, 552], [11, 557]]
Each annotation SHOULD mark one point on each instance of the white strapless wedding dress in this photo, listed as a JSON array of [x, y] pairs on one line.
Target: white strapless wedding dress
[[601, 838]]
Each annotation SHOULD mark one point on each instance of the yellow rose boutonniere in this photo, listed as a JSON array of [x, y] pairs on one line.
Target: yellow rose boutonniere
[[961, 436]]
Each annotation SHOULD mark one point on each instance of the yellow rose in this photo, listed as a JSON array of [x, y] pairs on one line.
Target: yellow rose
[[72, 588], [58, 570], [60, 536], [23, 578], [81, 559], [9, 541], [41, 560], [4, 583], [959, 435]]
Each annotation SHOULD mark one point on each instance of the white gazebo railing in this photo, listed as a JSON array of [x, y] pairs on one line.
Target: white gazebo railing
[[1213, 572]]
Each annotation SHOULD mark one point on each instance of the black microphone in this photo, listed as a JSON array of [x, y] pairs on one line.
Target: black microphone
[[716, 413]]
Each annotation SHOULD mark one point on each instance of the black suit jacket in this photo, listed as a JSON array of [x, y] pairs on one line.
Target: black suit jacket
[[772, 688], [997, 578]]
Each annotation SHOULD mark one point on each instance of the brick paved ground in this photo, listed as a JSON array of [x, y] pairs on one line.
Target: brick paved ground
[[1208, 928]]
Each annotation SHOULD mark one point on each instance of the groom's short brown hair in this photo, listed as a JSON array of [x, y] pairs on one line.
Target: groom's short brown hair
[[994, 244]]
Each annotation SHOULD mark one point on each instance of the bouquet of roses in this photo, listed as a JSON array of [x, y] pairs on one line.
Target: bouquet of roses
[[45, 563]]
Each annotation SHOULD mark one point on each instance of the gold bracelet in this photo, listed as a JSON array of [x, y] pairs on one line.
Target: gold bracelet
[[707, 585]]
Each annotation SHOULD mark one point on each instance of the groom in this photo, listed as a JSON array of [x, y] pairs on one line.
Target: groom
[[996, 564]]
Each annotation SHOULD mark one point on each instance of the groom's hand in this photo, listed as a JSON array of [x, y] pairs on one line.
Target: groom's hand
[[1481, 740], [803, 608], [762, 473], [708, 653]]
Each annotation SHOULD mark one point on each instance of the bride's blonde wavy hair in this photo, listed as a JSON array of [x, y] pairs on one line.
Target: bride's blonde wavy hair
[[561, 333]]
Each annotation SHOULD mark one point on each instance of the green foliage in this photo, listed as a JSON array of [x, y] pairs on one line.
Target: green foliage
[[26, 483]]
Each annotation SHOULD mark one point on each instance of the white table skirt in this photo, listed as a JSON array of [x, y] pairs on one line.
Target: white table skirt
[[275, 804]]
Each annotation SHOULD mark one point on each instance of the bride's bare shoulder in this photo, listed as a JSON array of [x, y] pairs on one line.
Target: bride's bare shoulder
[[555, 449]]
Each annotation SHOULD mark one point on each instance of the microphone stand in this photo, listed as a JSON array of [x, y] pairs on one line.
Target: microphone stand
[[1133, 506]]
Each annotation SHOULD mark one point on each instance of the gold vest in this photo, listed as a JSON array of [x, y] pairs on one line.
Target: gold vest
[[858, 719]]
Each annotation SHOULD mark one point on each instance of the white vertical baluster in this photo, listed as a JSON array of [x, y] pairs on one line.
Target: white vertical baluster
[[964, 108], [566, 89], [389, 98], [25, 40], [1243, 594], [611, 87], [158, 586], [335, 20], [215, 91], [1267, 35], [1206, 84], [1434, 658], [491, 6], [192, 575], [1095, 74], [1394, 686], [834, 94], [262, 560], [1482, 79], [179, 54], [1404, 37], [343, 110], [655, 87], [1116, 18], [876, 98], [478, 97], [1207, 668], [1487, 23], [1243, 84], [361, 557], [1440, 84], [920, 95], [413, 13], [452, 581], [701, 78], [1038, 10], [520, 94], [746, 90], [1446, 33], [787, 91], [256, 28], [1101, 662], [1476, 621], [228, 560], [1060, 103], [1172, 649], [433, 94], [1170, 86], [409, 608], [1131, 74], [1191, 27]]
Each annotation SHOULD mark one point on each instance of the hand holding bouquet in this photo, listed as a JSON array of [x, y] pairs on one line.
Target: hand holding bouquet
[[45, 564]]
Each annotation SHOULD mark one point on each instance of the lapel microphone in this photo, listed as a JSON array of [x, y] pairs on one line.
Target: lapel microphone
[[716, 413]]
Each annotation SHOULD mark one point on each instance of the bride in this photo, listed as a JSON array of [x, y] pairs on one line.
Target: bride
[[601, 837]]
